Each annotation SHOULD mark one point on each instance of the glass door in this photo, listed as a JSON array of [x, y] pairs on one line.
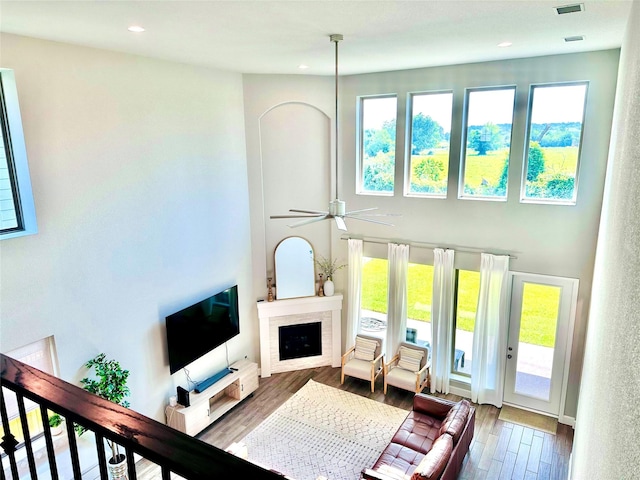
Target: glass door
[[541, 311]]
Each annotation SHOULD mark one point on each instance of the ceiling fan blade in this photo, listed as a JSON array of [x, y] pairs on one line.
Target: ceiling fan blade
[[362, 210], [296, 216], [355, 217], [375, 214], [313, 212], [310, 220], [340, 224]]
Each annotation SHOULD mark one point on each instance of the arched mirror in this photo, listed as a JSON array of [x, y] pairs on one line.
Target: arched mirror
[[295, 273]]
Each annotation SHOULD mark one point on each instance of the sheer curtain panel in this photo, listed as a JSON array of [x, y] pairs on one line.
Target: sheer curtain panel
[[397, 313], [490, 333], [442, 319], [354, 289]]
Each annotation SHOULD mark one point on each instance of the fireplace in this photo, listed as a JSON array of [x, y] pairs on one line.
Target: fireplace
[[299, 312], [299, 341]]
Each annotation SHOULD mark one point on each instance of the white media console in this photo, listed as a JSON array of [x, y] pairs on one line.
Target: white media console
[[213, 402]]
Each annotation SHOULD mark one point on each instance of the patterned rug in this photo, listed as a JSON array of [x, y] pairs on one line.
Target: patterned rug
[[323, 431]]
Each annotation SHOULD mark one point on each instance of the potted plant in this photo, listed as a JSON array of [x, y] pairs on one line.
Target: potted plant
[[328, 267], [55, 422], [110, 383]]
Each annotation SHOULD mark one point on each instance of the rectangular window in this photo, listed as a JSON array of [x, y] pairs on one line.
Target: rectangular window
[[428, 151], [489, 118], [374, 304], [555, 133], [17, 211], [419, 295], [377, 145], [467, 292]]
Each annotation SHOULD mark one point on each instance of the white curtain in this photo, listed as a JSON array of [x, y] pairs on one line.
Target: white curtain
[[442, 319], [354, 289], [397, 297], [490, 332]]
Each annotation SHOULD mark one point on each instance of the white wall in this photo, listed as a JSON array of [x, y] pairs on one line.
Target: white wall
[[608, 421], [547, 239], [140, 182]]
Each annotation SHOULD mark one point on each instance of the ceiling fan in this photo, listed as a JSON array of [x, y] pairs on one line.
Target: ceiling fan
[[337, 208]]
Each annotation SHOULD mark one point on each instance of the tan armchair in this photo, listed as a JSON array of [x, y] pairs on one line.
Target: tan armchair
[[409, 368], [364, 360]]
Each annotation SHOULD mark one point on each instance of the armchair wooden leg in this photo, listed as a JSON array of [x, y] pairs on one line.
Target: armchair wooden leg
[[342, 378], [373, 385], [385, 386]]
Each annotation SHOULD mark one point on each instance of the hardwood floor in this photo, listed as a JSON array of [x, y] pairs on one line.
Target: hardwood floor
[[500, 450]]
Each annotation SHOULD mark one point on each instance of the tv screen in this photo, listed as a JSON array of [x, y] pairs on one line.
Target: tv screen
[[200, 328]]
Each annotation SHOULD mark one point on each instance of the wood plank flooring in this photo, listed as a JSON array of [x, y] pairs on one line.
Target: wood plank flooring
[[499, 450]]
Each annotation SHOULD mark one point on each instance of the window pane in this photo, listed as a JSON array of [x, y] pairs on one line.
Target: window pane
[[8, 213], [373, 306], [419, 294], [378, 144], [555, 130], [430, 136], [468, 289], [486, 158]]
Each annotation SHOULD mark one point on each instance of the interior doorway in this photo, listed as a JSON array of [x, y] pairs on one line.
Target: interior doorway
[[540, 330]]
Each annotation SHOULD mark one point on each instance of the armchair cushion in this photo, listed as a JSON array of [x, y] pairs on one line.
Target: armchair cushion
[[410, 359], [401, 378], [358, 368], [365, 348]]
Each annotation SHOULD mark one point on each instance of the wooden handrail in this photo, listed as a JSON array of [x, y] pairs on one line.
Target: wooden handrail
[[180, 453]]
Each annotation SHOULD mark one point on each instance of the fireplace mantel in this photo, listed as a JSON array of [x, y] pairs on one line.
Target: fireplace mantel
[[295, 311]]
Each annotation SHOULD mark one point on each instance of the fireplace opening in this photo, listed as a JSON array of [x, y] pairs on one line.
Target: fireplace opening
[[299, 341]]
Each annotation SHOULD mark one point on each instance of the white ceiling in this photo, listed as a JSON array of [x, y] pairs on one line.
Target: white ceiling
[[276, 36]]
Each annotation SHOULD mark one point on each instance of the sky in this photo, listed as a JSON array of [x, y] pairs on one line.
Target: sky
[[555, 103]]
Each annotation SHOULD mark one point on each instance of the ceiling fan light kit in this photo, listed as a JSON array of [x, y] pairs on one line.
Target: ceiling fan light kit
[[337, 208]]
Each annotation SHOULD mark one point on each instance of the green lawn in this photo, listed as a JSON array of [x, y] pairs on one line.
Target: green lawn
[[539, 307]]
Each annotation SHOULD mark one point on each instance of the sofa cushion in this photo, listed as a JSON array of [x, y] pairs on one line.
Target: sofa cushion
[[434, 462], [397, 461], [417, 432], [456, 419]]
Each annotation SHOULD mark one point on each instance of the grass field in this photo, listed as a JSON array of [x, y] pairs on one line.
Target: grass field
[[539, 305]]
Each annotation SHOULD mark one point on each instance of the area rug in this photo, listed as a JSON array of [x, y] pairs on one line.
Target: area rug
[[323, 431], [528, 419]]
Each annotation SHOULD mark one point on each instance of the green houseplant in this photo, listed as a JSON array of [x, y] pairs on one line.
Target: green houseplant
[[55, 422], [110, 383]]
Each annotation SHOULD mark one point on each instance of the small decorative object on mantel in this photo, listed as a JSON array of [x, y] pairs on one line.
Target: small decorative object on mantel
[[270, 289], [321, 288], [328, 268]]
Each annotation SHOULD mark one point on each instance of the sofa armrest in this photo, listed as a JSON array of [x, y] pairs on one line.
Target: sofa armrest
[[434, 406]]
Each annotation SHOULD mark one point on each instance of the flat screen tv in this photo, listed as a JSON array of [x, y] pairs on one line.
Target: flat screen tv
[[200, 328]]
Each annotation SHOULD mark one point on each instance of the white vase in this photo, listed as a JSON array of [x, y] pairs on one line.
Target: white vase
[[329, 288]]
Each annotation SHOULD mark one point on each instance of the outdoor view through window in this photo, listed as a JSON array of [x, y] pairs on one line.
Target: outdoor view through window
[[555, 131], [377, 144], [486, 158], [430, 137]]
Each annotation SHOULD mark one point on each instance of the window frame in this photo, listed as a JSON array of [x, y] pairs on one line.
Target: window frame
[[527, 140], [463, 146], [360, 145], [16, 153], [408, 137]]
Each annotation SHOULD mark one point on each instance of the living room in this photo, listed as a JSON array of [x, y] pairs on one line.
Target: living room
[[146, 178]]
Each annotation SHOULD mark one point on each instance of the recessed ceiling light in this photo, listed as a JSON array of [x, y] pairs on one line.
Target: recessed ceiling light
[[136, 29], [505, 44], [302, 66]]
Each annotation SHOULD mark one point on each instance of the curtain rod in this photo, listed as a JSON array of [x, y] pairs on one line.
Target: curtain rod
[[458, 248]]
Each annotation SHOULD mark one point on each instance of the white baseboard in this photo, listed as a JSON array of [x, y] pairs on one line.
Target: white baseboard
[[463, 392]]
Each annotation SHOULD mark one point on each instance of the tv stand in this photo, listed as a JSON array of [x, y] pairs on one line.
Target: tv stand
[[203, 385], [207, 406]]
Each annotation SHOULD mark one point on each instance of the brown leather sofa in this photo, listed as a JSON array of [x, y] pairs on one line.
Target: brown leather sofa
[[430, 444]]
